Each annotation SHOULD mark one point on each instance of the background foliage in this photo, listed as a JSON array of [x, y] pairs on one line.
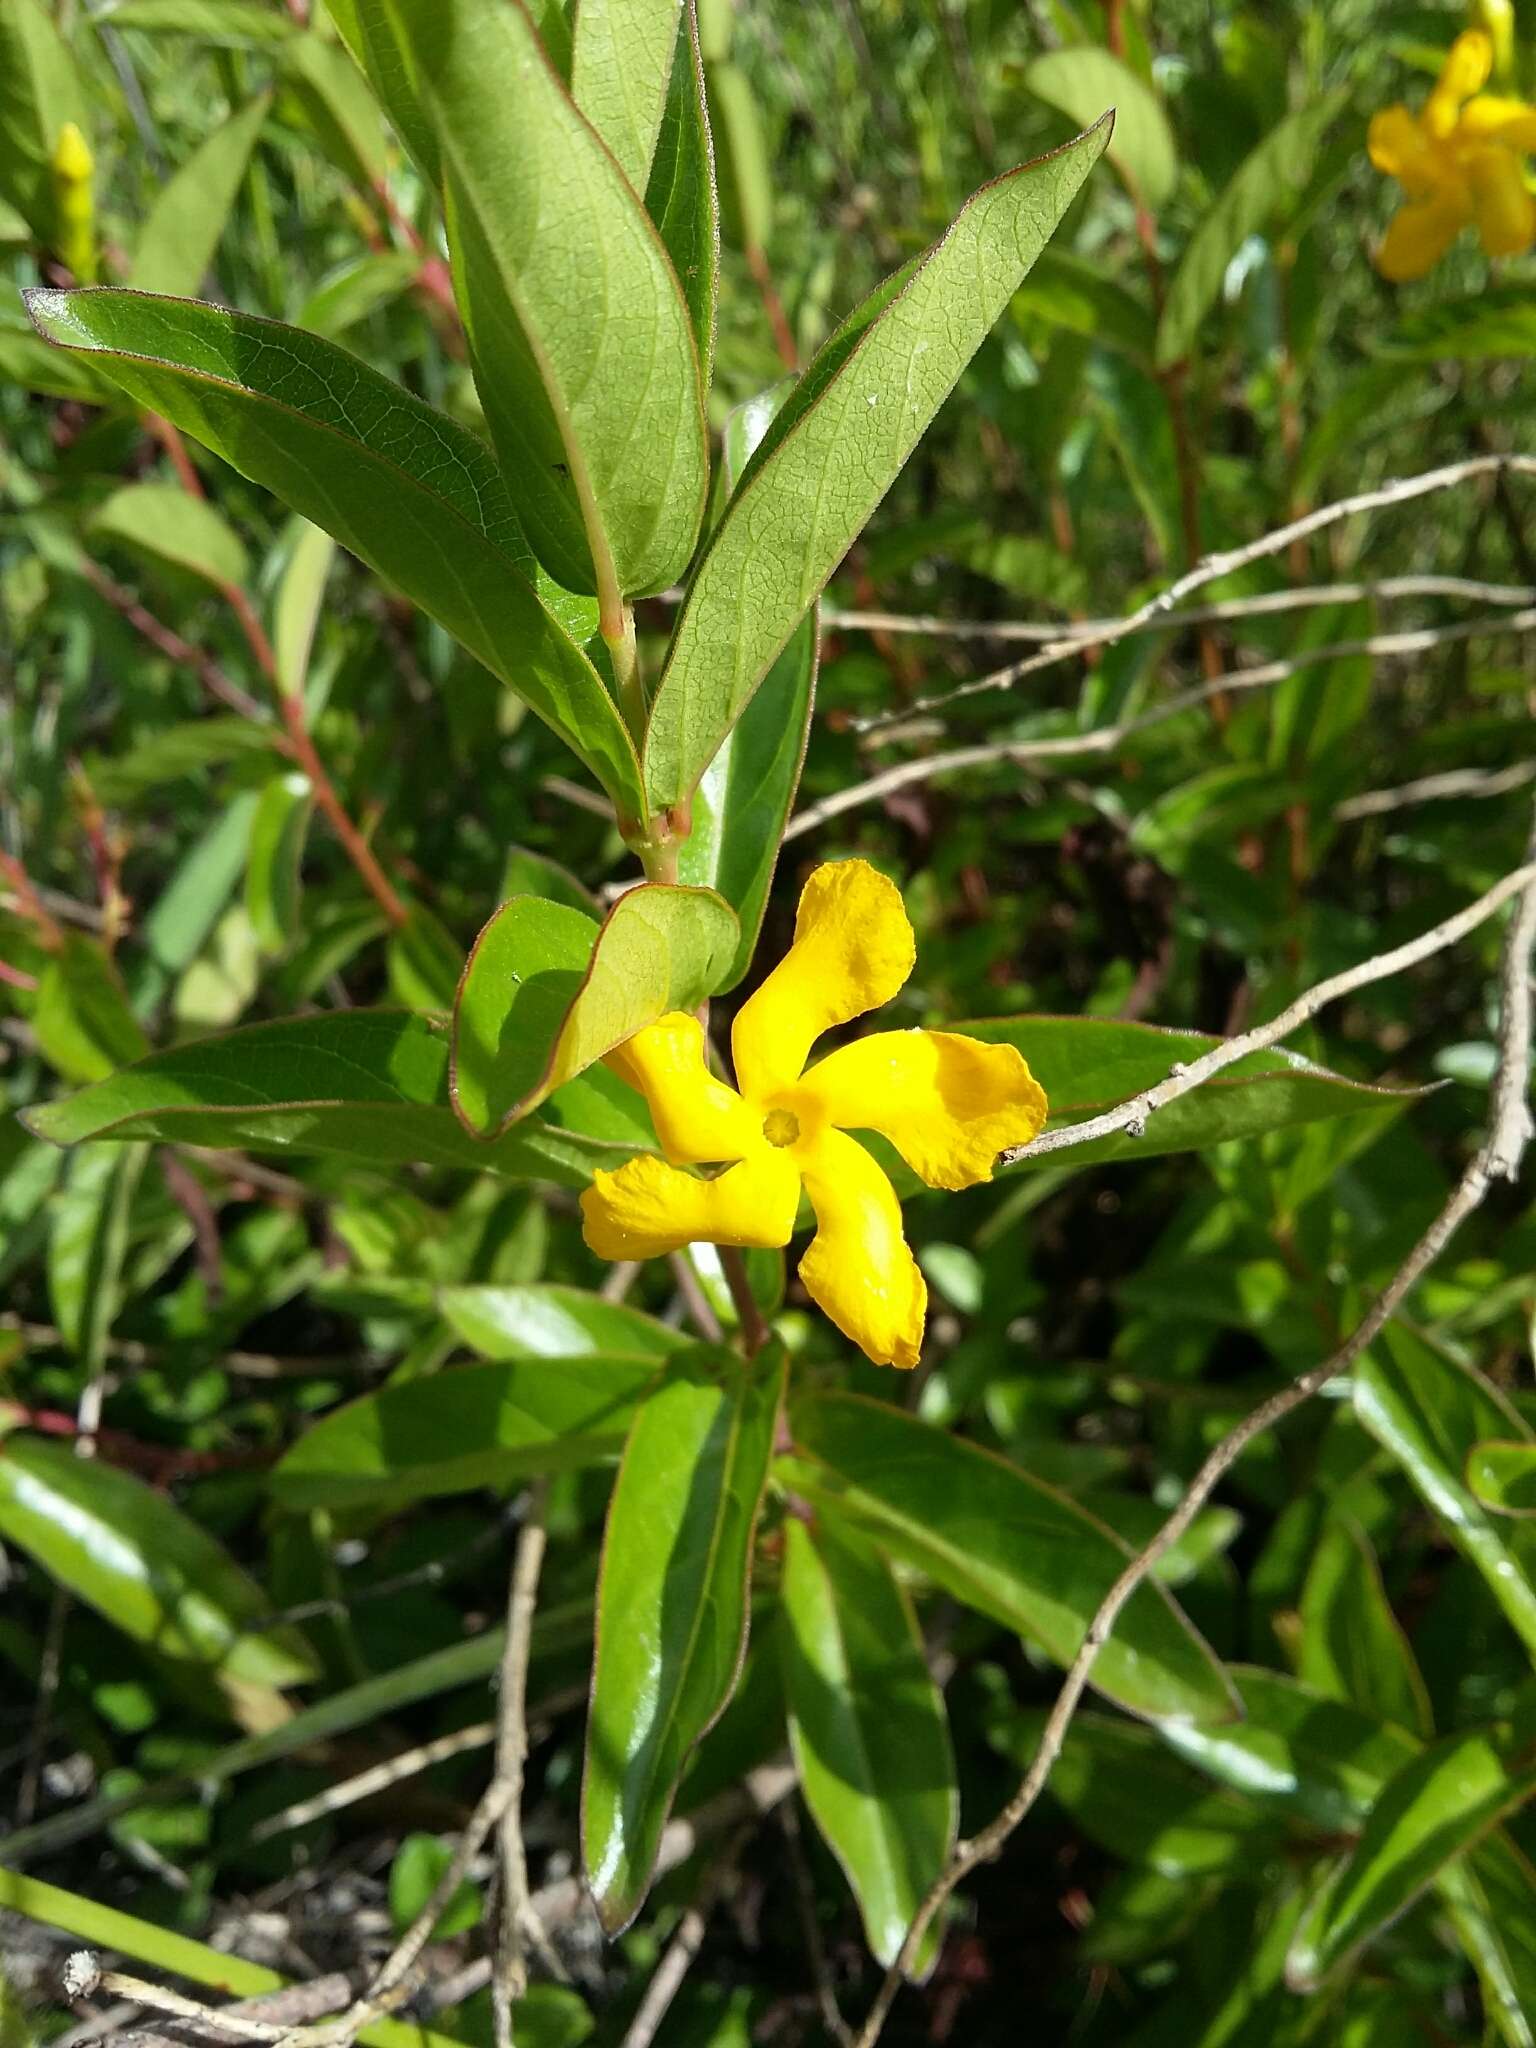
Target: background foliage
[[1203, 352]]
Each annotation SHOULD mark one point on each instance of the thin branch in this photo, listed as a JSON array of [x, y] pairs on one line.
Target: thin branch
[[511, 1976], [674, 1966], [174, 648], [378, 1778], [1509, 1132], [1454, 782], [1107, 739], [1225, 563]]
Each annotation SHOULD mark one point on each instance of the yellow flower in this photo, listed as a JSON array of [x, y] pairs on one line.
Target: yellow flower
[[949, 1105], [1459, 161]]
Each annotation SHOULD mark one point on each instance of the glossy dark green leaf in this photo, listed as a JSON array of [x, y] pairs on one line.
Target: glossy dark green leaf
[[182, 229], [82, 1020], [1088, 1064], [1429, 1814], [130, 1553], [87, 1240], [400, 484], [278, 832], [680, 195], [370, 1086], [546, 993], [811, 488], [867, 1727], [1502, 1477], [1081, 82], [1002, 1542], [464, 1428], [587, 370], [552, 1321], [40, 90], [169, 524], [1431, 1415], [621, 62], [672, 1603], [1352, 1645]]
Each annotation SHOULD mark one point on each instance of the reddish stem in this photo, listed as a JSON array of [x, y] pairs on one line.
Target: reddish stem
[[773, 306]]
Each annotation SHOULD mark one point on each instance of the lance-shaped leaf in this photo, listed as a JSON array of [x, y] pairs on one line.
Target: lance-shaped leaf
[[182, 230], [478, 1425], [1502, 1476], [278, 832], [621, 61], [170, 525], [546, 992], [681, 196], [1432, 1812], [136, 1558], [551, 1321], [867, 1727], [369, 1086], [88, 1220], [415, 495], [582, 345], [1004, 1543], [833, 453], [370, 32], [1081, 82], [672, 1603], [1431, 1415], [1352, 1645]]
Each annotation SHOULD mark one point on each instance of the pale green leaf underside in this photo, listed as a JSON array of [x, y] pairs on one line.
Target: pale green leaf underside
[[805, 501], [621, 60]]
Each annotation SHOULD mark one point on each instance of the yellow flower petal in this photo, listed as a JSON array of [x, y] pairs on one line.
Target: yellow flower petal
[[1465, 72], [647, 1208], [1398, 146], [1496, 117], [859, 1270], [1504, 210], [949, 1104], [853, 950], [1419, 235], [697, 1118]]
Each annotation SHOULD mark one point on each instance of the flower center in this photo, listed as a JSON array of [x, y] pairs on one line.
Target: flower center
[[781, 1127]]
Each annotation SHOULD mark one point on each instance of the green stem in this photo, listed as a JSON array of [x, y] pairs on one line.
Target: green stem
[[754, 1331], [619, 636]]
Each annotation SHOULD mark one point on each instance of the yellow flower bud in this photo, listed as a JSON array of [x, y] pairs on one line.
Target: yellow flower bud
[[1496, 19], [74, 203]]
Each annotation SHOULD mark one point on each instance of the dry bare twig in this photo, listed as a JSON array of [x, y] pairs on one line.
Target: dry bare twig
[[1510, 1130]]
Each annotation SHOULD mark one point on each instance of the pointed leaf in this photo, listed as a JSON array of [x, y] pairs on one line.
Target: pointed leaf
[[580, 335], [1081, 82], [1502, 1477], [87, 1242], [867, 1727], [1004, 1543], [1352, 1646], [465, 1428], [621, 61], [812, 488], [672, 1603], [134, 1556], [176, 245], [681, 196], [546, 993], [1430, 1813], [370, 1086], [553, 1322], [1488, 1895], [340, 108], [401, 485], [296, 611], [278, 832], [171, 525], [83, 1024], [1431, 1415]]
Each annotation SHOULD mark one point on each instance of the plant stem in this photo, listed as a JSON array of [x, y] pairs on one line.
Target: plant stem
[[754, 1331], [619, 637]]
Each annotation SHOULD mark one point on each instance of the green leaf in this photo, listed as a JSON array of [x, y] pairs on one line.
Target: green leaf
[[416, 496], [87, 1242], [621, 62], [1502, 1477], [1004, 1543], [1488, 1895], [139, 1561], [425, 962], [1073, 293], [552, 1322], [339, 107], [1431, 1415], [176, 245], [1088, 1064], [672, 1603], [371, 32], [830, 460], [1430, 1813], [296, 611], [40, 90], [464, 1428], [1500, 322], [586, 368], [217, 21], [1352, 1646], [81, 1019], [545, 993], [1265, 183], [171, 525], [681, 197], [1082, 82], [746, 175], [419, 1865], [278, 832], [357, 287], [867, 1728], [369, 1086]]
